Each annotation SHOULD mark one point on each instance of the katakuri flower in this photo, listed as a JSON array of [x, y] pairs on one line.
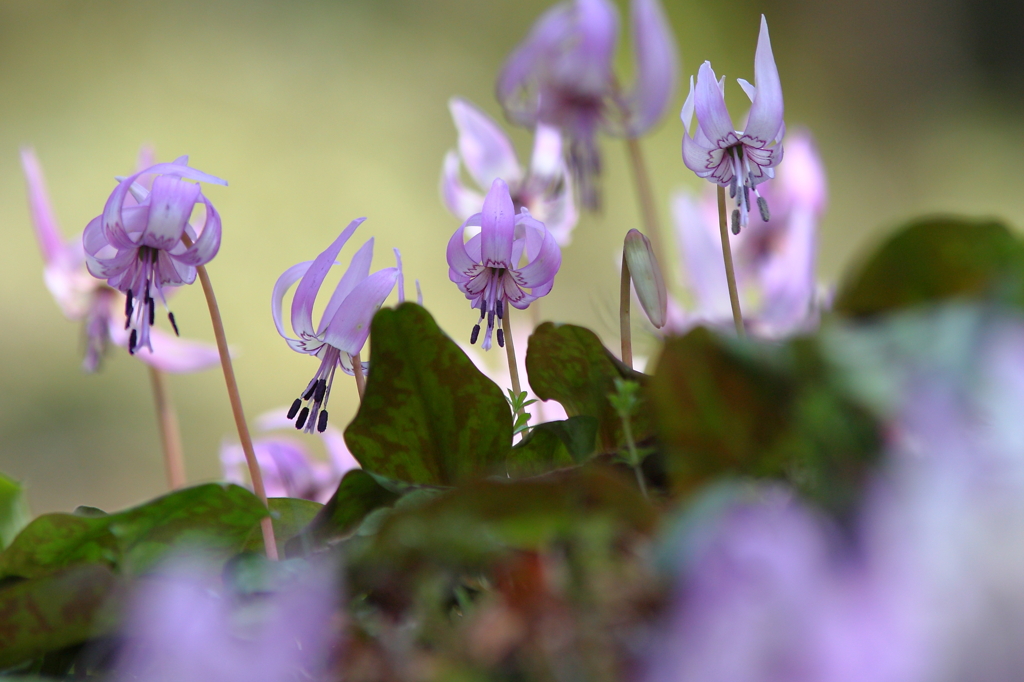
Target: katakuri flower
[[289, 469], [345, 323], [546, 188], [138, 244], [775, 262], [562, 75], [726, 156], [486, 268], [82, 297]]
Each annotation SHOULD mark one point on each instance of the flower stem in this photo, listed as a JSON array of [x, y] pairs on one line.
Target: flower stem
[[625, 334], [648, 208], [269, 543], [634, 456], [357, 370], [170, 436], [730, 273], [510, 352]]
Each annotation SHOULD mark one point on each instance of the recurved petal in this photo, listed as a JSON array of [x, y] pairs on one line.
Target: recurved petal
[[516, 86], [497, 222], [351, 324], [309, 286], [766, 110], [542, 267], [170, 206], [546, 161], [43, 220], [358, 270], [655, 59], [206, 247], [697, 157], [709, 103], [595, 35], [686, 113], [102, 260], [284, 282], [460, 200], [459, 259], [485, 149]]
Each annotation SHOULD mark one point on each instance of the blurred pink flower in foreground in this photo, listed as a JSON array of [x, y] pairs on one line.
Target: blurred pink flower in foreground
[[775, 261], [183, 625], [82, 297], [289, 470]]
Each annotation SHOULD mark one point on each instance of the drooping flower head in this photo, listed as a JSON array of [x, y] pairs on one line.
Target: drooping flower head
[[562, 75], [739, 160], [487, 267], [345, 323], [82, 297], [546, 188], [138, 244]]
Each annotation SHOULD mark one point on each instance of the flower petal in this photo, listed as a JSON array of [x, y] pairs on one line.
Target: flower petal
[[698, 158], [544, 265], [401, 276], [587, 66], [170, 206], [460, 200], [351, 325], [358, 270], [284, 282], [51, 243], [177, 356], [655, 59], [305, 294], [767, 108], [546, 162], [701, 253], [686, 113], [497, 222], [485, 149], [712, 114], [208, 244], [459, 259], [558, 211]]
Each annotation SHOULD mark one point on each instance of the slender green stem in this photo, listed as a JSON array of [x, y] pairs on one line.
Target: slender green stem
[[510, 352], [645, 194], [634, 456], [357, 370], [269, 543], [170, 435], [625, 333], [730, 272]]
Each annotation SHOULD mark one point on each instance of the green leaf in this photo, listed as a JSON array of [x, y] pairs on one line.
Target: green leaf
[[14, 513], [553, 445], [215, 518], [935, 259], [428, 415], [568, 364], [289, 516], [52, 612], [357, 495], [730, 408]]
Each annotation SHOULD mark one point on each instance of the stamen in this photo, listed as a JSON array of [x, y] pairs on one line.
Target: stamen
[[736, 221], [475, 335], [310, 391], [152, 311], [321, 389], [321, 425], [170, 316], [501, 338], [133, 340], [128, 307], [732, 187], [490, 319], [294, 409], [301, 421], [746, 197], [498, 309], [762, 205]]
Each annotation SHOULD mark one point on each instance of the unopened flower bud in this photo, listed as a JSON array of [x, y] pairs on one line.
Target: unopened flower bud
[[647, 278]]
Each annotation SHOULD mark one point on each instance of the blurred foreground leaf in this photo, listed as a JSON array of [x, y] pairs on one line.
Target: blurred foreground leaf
[[55, 611], [728, 408], [14, 514], [212, 518], [935, 259], [428, 415], [569, 364]]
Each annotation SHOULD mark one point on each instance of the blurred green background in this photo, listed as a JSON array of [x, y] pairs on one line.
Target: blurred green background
[[319, 112]]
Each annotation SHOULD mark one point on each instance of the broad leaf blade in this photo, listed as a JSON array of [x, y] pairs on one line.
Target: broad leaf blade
[[554, 445], [14, 513]]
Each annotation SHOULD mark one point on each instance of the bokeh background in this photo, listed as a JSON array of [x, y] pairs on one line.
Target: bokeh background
[[319, 112]]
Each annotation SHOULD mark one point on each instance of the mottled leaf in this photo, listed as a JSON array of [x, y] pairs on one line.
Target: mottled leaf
[[568, 364], [553, 445], [14, 514], [428, 415], [936, 259], [52, 612], [289, 516]]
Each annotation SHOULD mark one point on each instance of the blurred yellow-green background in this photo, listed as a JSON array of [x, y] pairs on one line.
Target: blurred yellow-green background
[[319, 112]]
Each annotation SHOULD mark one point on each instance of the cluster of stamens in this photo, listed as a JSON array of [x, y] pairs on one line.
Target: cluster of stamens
[[495, 311], [143, 307], [314, 412], [741, 191]]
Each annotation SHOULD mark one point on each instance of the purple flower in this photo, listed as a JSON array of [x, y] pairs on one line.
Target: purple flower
[[82, 297], [184, 625], [562, 75], [730, 158], [486, 268], [288, 468], [546, 189], [775, 261], [345, 323], [137, 243]]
